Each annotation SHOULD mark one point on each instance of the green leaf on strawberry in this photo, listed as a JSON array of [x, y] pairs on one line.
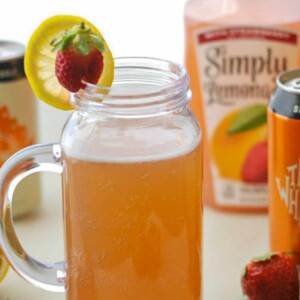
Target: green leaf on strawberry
[[82, 46], [98, 43], [79, 36], [264, 257]]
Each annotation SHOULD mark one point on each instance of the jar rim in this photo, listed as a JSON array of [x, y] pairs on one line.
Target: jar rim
[[139, 82]]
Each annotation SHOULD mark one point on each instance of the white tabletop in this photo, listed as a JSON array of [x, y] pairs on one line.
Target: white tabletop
[[230, 240]]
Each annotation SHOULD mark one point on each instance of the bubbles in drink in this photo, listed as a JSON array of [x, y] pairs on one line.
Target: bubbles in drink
[[146, 240]]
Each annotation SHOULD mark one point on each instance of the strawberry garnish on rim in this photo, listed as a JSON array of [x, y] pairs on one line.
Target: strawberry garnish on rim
[[79, 57], [271, 277]]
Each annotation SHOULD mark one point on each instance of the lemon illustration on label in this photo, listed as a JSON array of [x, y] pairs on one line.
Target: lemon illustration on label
[[239, 146]]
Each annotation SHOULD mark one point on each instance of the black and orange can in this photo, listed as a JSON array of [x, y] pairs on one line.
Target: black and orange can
[[284, 163], [18, 120]]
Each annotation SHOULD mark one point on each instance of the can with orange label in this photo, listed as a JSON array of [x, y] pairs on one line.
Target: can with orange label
[[18, 115], [284, 163]]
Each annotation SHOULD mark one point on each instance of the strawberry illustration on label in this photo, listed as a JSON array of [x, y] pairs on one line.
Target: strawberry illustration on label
[[255, 168]]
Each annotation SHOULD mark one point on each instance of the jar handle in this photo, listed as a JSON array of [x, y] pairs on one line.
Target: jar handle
[[30, 160]]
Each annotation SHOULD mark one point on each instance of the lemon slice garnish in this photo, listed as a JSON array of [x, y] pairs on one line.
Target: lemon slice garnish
[[40, 61], [4, 266]]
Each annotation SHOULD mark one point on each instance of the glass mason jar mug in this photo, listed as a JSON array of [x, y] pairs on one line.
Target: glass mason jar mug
[[131, 165]]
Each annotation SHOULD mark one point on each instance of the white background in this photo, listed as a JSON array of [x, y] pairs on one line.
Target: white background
[[136, 28], [131, 28]]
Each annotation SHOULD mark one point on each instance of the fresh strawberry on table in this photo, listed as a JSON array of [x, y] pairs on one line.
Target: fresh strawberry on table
[[271, 277], [79, 57]]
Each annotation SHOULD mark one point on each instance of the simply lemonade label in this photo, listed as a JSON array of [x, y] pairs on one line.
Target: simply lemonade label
[[238, 67]]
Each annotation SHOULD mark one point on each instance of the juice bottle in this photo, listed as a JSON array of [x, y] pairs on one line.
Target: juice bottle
[[234, 51]]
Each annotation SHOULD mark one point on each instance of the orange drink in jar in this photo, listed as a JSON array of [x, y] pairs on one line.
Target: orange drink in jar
[[136, 222], [132, 205]]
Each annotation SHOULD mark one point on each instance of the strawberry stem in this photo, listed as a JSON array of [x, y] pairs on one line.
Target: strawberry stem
[[79, 37], [264, 257]]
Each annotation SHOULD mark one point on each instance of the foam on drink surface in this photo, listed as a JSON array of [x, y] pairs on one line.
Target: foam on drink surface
[[105, 143]]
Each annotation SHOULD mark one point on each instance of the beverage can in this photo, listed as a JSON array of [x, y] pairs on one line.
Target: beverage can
[[284, 163], [18, 127]]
